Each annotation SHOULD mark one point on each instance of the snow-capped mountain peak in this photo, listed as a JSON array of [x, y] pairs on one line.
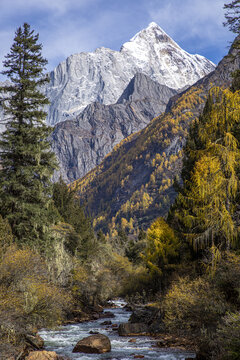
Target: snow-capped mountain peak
[[147, 41], [102, 75], [153, 46], [153, 32], [153, 25]]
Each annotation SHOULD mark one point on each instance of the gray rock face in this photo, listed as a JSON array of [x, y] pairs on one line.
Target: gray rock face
[[142, 87], [101, 76], [81, 144]]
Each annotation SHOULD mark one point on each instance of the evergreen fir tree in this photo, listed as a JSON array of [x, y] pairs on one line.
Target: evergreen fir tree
[[26, 160], [82, 241]]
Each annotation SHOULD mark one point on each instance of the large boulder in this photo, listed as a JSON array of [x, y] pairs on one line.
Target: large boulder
[[144, 314], [150, 315], [44, 355], [128, 329], [94, 344], [106, 314]]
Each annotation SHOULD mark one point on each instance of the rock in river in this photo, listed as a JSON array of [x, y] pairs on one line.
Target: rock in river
[[44, 355], [94, 344], [129, 329]]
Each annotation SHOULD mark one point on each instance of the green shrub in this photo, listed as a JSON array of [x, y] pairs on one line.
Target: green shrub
[[193, 307], [228, 337], [227, 277], [27, 299]]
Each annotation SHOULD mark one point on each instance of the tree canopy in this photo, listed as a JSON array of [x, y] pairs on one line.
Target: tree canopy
[[205, 206]]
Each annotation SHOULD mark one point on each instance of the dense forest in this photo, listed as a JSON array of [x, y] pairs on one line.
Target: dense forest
[[176, 249]]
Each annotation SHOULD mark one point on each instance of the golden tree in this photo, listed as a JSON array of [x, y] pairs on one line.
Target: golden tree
[[161, 250], [205, 206]]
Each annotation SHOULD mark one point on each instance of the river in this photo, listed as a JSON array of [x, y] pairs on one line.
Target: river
[[63, 340]]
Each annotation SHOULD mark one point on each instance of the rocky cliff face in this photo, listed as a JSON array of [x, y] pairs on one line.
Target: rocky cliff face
[[102, 76], [82, 144]]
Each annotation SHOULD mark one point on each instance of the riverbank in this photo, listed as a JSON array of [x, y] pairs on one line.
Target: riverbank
[[63, 340]]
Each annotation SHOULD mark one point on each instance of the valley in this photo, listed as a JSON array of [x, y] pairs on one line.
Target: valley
[[119, 197]]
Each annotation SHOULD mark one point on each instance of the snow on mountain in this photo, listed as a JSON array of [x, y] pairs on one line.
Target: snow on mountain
[[154, 51], [103, 75]]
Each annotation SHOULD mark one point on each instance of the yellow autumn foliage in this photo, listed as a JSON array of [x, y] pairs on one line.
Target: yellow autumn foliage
[[190, 306], [208, 198], [27, 298], [145, 153], [162, 247]]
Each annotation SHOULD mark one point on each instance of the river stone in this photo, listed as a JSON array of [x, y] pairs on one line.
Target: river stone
[[144, 314], [106, 322], [132, 340], [106, 314], [129, 329], [43, 355], [94, 344]]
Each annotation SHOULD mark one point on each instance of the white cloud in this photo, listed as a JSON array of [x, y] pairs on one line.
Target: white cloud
[[57, 7], [61, 31], [73, 35]]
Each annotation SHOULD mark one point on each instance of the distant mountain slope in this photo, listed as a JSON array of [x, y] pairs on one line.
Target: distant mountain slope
[[134, 183], [80, 145], [101, 76]]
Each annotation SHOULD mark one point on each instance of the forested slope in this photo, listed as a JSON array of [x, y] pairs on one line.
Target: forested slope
[[134, 183]]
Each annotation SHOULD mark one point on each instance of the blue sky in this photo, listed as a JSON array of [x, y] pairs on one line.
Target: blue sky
[[71, 26]]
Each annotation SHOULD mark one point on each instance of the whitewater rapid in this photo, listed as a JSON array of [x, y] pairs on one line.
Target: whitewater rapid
[[65, 338]]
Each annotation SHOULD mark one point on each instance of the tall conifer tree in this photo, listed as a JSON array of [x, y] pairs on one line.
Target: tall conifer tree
[[204, 208], [26, 160]]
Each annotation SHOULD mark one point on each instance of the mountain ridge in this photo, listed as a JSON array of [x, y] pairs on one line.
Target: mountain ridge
[[134, 183], [103, 75], [89, 91], [81, 144]]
